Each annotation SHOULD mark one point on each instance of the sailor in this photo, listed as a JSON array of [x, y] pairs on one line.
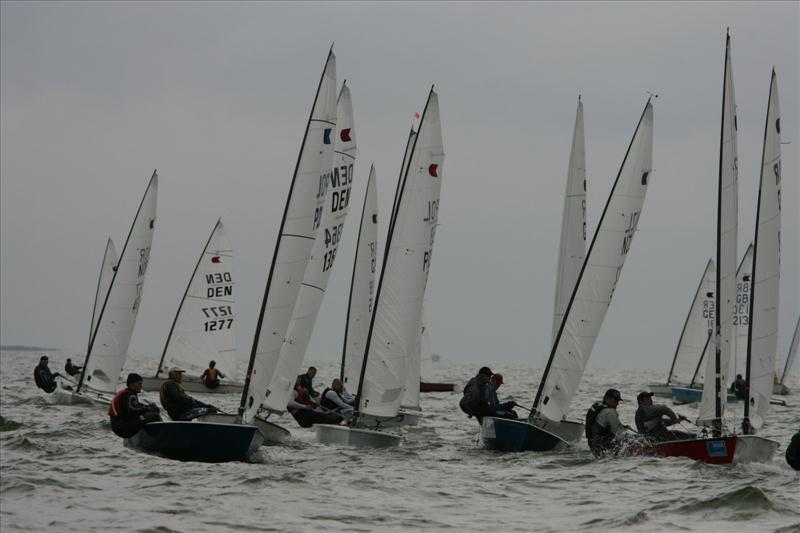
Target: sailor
[[793, 452], [211, 376], [178, 404], [475, 401], [305, 381], [127, 414], [44, 379], [333, 400], [604, 431], [650, 420], [72, 369], [501, 410], [739, 387], [299, 398]]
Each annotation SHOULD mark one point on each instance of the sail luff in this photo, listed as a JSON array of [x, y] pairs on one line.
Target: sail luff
[[572, 247], [698, 303], [323, 256], [765, 289], [560, 381], [107, 268], [790, 357], [136, 268], [296, 237], [362, 286]]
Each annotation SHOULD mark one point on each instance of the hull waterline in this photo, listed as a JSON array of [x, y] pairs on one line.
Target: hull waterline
[[735, 449], [197, 441], [358, 437], [272, 433], [518, 436]]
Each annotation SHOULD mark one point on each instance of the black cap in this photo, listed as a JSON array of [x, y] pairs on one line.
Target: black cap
[[613, 394], [643, 394], [485, 371], [133, 378]]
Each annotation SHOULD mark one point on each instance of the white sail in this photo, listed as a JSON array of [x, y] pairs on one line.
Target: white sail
[[319, 268], [425, 356], [103, 283], [712, 407], [765, 293], [572, 249], [401, 290], [362, 289], [204, 326], [741, 315], [109, 346], [699, 325], [410, 398], [301, 220], [599, 276], [792, 355]]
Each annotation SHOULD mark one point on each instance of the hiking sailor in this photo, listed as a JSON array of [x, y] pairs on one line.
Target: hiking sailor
[[475, 401], [498, 409], [211, 376], [127, 414], [44, 379], [178, 404], [604, 431], [305, 382], [651, 423], [72, 369], [333, 400]]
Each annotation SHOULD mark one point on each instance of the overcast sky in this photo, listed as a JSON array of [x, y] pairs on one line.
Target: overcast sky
[[94, 96]]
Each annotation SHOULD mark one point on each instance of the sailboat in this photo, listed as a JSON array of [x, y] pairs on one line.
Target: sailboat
[[780, 387], [203, 328], [394, 324], [692, 391], [215, 437], [547, 427], [318, 271], [119, 295], [694, 339], [724, 446]]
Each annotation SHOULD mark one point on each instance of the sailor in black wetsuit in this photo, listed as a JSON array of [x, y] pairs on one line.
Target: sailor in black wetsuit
[[72, 369], [127, 414], [179, 405], [44, 379], [652, 420], [305, 382], [604, 431], [475, 401]]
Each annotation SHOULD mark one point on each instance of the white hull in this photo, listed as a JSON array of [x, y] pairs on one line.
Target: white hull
[[362, 438], [567, 430], [405, 417], [754, 449], [662, 390], [192, 384], [273, 433], [64, 396]]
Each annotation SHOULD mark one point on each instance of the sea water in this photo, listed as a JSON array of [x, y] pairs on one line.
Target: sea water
[[62, 469]]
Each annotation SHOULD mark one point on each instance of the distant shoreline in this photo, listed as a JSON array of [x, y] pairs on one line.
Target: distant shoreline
[[15, 348]]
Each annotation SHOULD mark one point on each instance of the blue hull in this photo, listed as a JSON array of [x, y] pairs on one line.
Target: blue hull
[[518, 436], [198, 441], [687, 395]]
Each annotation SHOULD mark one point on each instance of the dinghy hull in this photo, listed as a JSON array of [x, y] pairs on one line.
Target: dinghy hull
[[192, 384], [197, 441], [361, 438], [662, 390], [436, 387], [68, 396], [518, 436], [723, 450], [272, 433], [405, 417], [683, 395]]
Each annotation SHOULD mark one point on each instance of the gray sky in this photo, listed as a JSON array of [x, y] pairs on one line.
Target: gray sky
[[94, 96]]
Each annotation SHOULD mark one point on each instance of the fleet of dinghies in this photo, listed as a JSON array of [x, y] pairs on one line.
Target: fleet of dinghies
[[731, 326]]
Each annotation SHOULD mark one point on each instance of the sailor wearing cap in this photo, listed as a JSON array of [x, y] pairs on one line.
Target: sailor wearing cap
[[603, 428], [178, 404], [650, 419], [475, 401]]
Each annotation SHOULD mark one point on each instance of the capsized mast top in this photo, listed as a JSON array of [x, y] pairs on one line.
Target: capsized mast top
[[298, 230], [598, 277]]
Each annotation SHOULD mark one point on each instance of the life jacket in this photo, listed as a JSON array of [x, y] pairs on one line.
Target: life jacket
[[302, 396], [328, 404], [211, 374], [602, 437], [115, 409]]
